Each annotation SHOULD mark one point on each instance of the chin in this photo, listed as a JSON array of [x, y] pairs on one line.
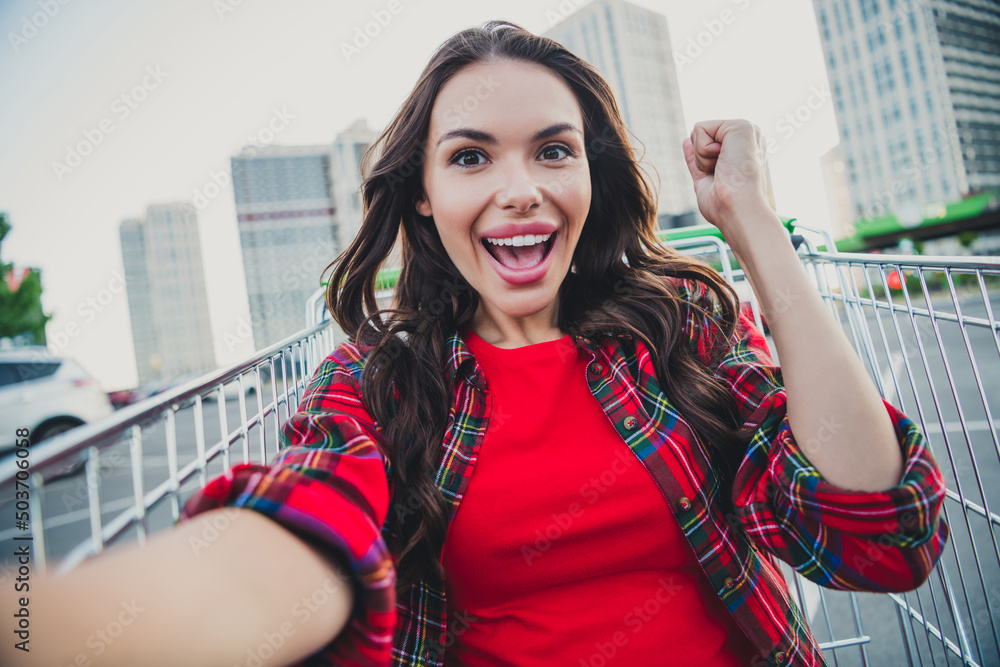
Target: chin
[[527, 307]]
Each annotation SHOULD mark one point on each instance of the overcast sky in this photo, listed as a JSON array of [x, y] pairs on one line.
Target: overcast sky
[[211, 73]]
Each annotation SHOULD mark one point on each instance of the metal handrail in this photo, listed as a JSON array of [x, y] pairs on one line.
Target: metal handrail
[[65, 445]]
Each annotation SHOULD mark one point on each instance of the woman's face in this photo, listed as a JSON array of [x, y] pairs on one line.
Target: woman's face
[[507, 183]]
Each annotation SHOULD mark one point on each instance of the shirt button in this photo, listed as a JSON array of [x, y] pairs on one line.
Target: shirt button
[[596, 369], [684, 504], [779, 657], [630, 423], [729, 583]]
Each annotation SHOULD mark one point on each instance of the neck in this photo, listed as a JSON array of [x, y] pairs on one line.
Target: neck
[[505, 331]]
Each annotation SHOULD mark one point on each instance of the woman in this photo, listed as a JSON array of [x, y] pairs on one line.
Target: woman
[[542, 337]]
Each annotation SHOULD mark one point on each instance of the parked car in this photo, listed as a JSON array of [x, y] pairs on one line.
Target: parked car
[[46, 394], [122, 398]]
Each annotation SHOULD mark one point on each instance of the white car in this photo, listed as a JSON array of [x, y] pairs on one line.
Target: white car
[[45, 394]]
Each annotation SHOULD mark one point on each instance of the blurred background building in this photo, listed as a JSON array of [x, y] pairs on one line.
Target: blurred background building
[[630, 46], [289, 230], [167, 300], [838, 193], [917, 91], [348, 149]]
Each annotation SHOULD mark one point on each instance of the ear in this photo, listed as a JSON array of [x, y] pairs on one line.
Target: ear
[[423, 206]]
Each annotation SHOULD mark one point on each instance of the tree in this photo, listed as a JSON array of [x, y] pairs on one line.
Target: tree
[[21, 312]]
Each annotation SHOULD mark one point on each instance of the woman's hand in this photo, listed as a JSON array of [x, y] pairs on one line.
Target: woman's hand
[[727, 160]]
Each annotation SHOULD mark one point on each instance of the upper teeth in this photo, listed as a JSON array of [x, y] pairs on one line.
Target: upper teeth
[[526, 239]]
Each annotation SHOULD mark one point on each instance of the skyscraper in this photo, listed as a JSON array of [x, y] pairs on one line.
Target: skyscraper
[[289, 229], [630, 46], [917, 96], [165, 283], [348, 149]]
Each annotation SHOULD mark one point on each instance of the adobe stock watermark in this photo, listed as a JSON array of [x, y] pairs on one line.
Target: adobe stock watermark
[[218, 180], [636, 620], [563, 11], [884, 200], [794, 120], [48, 9], [305, 271], [781, 300], [458, 624], [454, 116], [302, 610], [214, 524], [121, 108], [107, 463], [101, 639], [591, 491], [900, 12], [696, 45], [828, 429], [363, 35], [223, 7], [462, 110]]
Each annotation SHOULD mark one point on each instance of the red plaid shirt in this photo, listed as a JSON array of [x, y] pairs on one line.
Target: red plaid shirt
[[329, 483]]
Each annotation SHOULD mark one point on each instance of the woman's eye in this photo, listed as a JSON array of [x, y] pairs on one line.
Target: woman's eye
[[552, 152], [467, 158]]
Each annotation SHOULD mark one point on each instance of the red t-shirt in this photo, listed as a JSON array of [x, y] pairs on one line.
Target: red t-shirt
[[570, 560]]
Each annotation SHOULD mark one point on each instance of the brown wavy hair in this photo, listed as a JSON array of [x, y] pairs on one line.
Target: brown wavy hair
[[616, 285]]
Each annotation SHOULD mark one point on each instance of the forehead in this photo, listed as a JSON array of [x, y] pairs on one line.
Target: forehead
[[509, 98]]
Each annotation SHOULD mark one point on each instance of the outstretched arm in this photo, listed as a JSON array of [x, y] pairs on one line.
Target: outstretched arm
[[187, 600]]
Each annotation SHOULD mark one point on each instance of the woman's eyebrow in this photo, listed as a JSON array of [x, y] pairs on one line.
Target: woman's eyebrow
[[487, 138]]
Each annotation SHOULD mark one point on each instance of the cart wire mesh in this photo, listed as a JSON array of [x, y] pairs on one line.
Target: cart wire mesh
[[925, 327]]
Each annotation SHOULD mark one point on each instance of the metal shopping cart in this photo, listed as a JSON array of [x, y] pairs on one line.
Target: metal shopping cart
[[924, 326]]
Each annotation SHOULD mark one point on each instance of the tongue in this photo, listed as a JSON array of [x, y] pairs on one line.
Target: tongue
[[523, 257]]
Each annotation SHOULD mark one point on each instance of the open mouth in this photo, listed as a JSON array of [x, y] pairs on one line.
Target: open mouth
[[520, 252]]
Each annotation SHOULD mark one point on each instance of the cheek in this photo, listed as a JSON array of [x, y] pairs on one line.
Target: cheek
[[457, 210], [573, 194]]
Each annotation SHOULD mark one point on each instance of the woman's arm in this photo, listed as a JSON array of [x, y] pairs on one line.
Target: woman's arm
[[204, 593], [834, 409]]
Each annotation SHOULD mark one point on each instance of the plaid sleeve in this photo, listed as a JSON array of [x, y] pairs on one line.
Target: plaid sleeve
[[839, 538], [328, 485]]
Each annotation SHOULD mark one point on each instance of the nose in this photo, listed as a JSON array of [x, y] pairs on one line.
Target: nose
[[519, 192]]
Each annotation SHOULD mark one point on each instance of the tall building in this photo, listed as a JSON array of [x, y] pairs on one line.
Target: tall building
[[838, 193], [630, 46], [289, 232], [917, 90], [167, 299], [348, 149]]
